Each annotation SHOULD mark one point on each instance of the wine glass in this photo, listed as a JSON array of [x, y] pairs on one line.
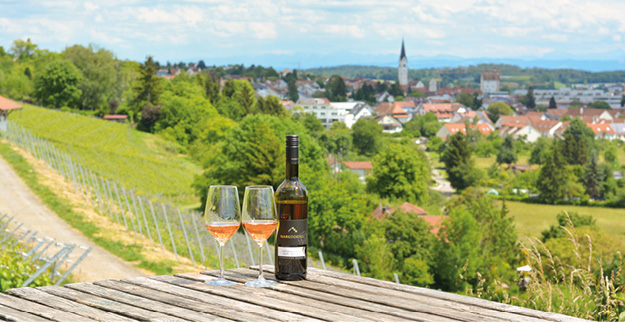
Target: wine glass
[[222, 218], [260, 220]]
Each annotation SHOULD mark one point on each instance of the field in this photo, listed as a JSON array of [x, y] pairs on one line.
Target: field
[[139, 161], [531, 219]]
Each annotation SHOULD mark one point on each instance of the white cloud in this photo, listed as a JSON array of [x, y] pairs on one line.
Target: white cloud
[[157, 15], [263, 30]]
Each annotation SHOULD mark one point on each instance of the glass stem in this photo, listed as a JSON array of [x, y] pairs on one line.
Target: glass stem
[[221, 261], [260, 261]]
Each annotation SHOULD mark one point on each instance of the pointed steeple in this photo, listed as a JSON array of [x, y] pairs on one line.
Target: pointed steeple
[[403, 51]]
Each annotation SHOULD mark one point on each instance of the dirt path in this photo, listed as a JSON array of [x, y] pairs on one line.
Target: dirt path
[[444, 187], [17, 200]]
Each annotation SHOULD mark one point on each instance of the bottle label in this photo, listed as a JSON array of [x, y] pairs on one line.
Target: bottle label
[[292, 252], [293, 232]]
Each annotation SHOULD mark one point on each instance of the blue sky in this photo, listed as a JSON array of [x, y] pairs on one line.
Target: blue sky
[[323, 33]]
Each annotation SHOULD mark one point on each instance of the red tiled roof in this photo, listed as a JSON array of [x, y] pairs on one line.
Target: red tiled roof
[[412, 209], [366, 165], [442, 107], [601, 128], [7, 104], [435, 222]]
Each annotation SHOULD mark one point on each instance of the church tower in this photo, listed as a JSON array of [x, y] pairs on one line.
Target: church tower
[[402, 70]]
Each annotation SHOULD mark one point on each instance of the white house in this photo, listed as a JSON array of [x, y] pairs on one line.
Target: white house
[[518, 131], [329, 112], [359, 110], [389, 123]]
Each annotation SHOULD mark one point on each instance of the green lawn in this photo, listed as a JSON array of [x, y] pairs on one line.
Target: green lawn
[[485, 163], [137, 160], [531, 219]]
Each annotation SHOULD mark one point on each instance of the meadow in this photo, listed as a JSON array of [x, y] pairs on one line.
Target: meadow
[[139, 161]]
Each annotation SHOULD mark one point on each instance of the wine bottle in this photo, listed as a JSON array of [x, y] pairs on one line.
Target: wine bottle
[[292, 205]]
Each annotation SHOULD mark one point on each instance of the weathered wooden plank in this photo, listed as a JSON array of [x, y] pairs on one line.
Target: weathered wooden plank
[[449, 296], [41, 310], [10, 314], [109, 305], [335, 303], [259, 312], [35, 295], [247, 294], [382, 296], [143, 303], [160, 295]]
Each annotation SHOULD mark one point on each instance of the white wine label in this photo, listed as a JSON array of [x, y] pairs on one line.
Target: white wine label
[[292, 252]]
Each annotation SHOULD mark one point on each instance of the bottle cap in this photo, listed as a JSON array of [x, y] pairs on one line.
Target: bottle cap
[[292, 140]]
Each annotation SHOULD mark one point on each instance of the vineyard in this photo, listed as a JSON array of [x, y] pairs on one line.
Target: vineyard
[[138, 161]]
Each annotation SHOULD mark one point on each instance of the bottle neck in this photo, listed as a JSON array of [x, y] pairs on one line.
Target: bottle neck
[[292, 162]]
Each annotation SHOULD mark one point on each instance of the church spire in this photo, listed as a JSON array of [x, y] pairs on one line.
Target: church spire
[[403, 51]]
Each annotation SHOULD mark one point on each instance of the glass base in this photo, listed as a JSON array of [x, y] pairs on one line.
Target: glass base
[[260, 283], [220, 282]]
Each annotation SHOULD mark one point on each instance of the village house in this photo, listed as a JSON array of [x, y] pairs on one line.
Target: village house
[[489, 82], [602, 130], [389, 123], [525, 132], [383, 212], [443, 111], [394, 109], [453, 128]]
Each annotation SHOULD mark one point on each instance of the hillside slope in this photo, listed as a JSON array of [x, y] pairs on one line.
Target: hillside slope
[[139, 161]]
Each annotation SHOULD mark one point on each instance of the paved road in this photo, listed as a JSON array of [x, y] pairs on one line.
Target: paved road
[[17, 200]]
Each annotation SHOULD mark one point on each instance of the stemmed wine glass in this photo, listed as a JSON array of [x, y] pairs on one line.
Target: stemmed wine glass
[[222, 218], [260, 220]]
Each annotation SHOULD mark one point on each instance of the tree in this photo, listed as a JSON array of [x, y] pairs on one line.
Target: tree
[[498, 108], [552, 103], [313, 124], [601, 105], [292, 92], [23, 49], [507, 153], [567, 220], [99, 71], [553, 176], [610, 156], [336, 90], [246, 96], [530, 100], [367, 136], [623, 101], [149, 116], [578, 140], [211, 87], [540, 152], [201, 65], [148, 86], [465, 99], [593, 176], [57, 86], [271, 105], [458, 162], [400, 172]]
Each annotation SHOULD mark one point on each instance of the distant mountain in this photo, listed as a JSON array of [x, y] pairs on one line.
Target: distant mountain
[[308, 61]]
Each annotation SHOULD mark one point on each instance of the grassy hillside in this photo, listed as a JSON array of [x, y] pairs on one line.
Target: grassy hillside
[[531, 219], [137, 160]]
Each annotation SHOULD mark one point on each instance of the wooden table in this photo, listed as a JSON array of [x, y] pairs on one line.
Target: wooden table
[[325, 296]]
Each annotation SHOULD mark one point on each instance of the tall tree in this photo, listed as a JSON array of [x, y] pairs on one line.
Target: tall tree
[[507, 152], [593, 176], [552, 103], [458, 162], [23, 49], [540, 152], [246, 96], [99, 71], [465, 99], [57, 86], [211, 87], [400, 172], [578, 140], [291, 92], [600, 105], [148, 86], [201, 65], [530, 100], [553, 176], [336, 90], [271, 105], [367, 136]]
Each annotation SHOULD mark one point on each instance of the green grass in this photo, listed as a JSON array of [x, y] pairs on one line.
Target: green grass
[[531, 219], [137, 160], [485, 163], [62, 208]]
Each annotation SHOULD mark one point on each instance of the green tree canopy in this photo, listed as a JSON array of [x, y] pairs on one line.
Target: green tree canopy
[[58, 85], [601, 105], [400, 172], [497, 109], [458, 162], [507, 152], [540, 152], [99, 71], [367, 136], [552, 103], [593, 176], [148, 87], [336, 90], [578, 141], [553, 176], [292, 92]]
